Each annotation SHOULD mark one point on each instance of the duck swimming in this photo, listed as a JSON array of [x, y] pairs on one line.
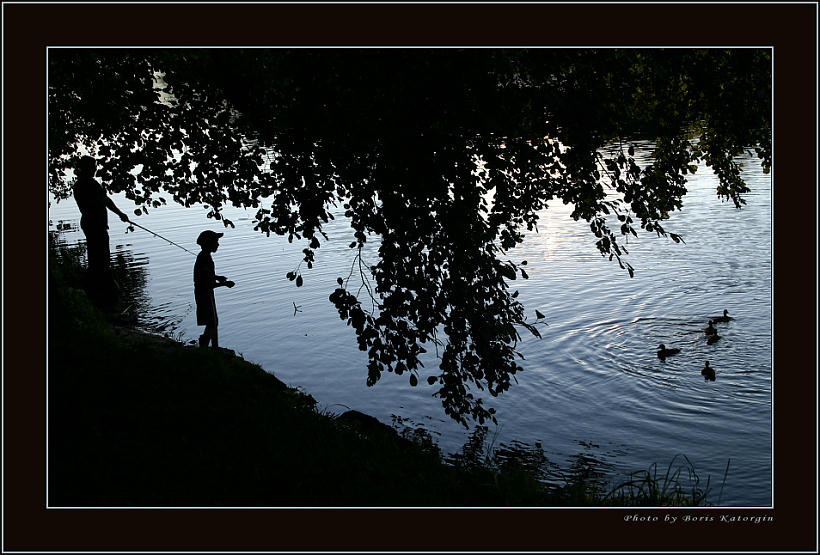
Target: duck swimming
[[708, 372], [713, 339], [663, 352], [711, 329], [724, 318]]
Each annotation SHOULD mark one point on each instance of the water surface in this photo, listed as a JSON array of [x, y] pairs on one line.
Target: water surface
[[592, 385]]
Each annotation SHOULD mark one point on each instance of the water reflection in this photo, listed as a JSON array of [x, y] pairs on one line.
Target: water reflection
[[587, 469], [596, 368], [135, 306], [590, 476]]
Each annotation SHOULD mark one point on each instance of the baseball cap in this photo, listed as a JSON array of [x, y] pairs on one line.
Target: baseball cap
[[208, 236]]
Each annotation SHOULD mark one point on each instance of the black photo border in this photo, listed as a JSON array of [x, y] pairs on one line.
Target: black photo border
[[29, 28]]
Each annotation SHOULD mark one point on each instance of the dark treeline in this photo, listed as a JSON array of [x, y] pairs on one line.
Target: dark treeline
[[446, 155]]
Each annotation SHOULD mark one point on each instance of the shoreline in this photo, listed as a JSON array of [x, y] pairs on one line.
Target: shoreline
[[141, 419]]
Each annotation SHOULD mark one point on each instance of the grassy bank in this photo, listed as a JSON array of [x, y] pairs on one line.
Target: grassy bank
[[141, 420]]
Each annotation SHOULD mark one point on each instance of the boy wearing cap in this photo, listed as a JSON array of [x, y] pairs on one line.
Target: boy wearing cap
[[205, 280]]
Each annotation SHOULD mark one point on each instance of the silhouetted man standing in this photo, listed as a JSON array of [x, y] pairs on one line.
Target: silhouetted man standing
[[93, 204]]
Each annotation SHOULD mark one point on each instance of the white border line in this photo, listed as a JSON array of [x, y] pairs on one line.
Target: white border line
[[48, 213], [3, 279], [721, 508], [771, 298]]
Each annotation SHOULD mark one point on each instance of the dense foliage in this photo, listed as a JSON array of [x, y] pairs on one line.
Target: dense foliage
[[444, 157]]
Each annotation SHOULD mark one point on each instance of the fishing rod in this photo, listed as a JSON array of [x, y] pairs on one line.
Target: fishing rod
[[160, 236]]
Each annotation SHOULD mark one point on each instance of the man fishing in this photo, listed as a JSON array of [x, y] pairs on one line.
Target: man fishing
[[94, 205]]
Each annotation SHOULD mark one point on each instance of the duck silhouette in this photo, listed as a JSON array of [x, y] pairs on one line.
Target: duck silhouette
[[711, 329], [724, 318], [713, 339], [708, 372], [663, 352]]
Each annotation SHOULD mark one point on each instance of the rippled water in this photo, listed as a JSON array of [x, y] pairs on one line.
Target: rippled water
[[592, 386]]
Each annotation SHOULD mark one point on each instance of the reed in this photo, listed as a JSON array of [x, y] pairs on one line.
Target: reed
[[679, 486]]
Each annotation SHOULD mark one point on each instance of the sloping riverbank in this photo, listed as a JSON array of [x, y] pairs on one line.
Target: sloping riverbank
[[142, 420]]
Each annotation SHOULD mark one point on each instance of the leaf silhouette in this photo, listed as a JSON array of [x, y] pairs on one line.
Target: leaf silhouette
[[412, 143]]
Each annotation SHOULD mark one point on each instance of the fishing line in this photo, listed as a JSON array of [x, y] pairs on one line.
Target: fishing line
[[161, 237]]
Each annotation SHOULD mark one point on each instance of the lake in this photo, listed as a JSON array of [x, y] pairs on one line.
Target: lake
[[592, 389]]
